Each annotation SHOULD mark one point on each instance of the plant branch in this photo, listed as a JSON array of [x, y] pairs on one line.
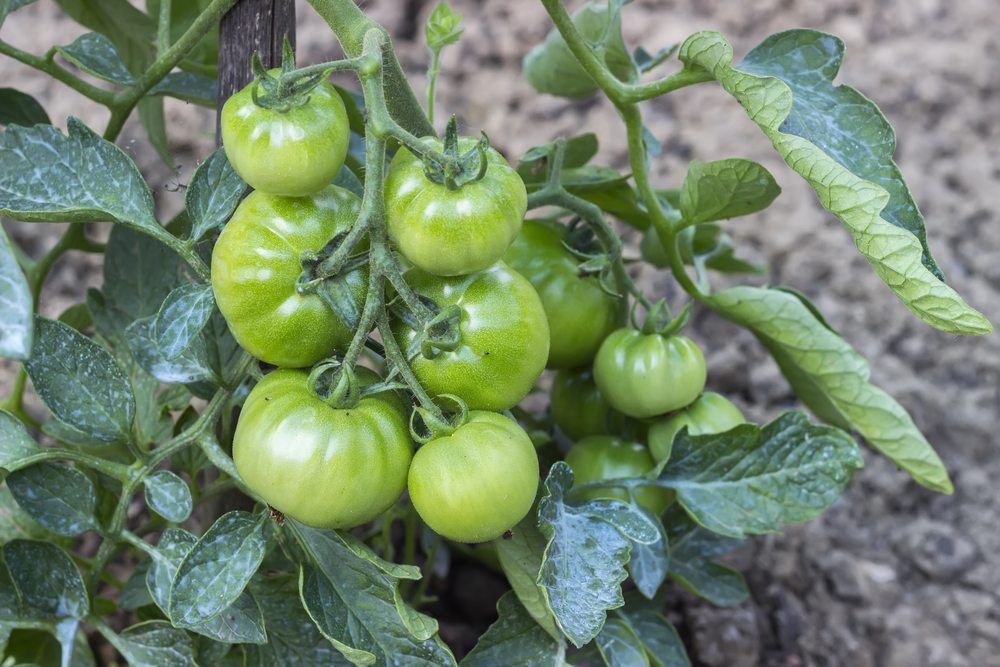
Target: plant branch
[[49, 66]]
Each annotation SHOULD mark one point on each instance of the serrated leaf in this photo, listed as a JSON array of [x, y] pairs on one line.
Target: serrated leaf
[[188, 86], [515, 639], [754, 480], [182, 317], [168, 495], [725, 189], [17, 108], [521, 560], [131, 30], [588, 547], [693, 549], [47, 583], [659, 638], [46, 176], [56, 496], [619, 647], [139, 273], [831, 377], [154, 644], [213, 194], [192, 365], [292, 637], [442, 27], [216, 570], [650, 562], [15, 443], [16, 313], [241, 623], [80, 382], [840, 142], [96, 55], [350, 593]]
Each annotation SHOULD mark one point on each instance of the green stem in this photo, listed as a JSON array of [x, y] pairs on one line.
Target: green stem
[[110, 468], [351, 25], [163, 28], [432, 76], [427, 571], [49, 66]]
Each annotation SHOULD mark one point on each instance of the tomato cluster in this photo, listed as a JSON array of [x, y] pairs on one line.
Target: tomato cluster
[[493, 300]]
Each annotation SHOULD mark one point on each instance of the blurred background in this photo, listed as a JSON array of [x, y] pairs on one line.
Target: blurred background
[[893, 575]]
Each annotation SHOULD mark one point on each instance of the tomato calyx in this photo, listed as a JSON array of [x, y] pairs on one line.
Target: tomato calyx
[[582, 243], [284, 91], [659, 321], [427, 425], [438, 328], [453, 169], [335, 384]]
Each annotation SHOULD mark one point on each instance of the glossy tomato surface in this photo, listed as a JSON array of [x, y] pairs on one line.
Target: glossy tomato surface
[[580, 313], [256, 265], [645, 375], [710, 413], [478, 482], [602, 457], [578, 408], [453, 232], [504, 337], [293, 153], [323, 466]]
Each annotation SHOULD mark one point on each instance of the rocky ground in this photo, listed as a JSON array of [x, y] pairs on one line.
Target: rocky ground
[[893, 575]]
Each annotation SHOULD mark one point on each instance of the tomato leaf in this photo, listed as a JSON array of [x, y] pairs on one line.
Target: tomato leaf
[[135, 593], [46, 582], [15, 443], [655, 634], [153, 643], [293, 640], [214, 573], [188, 86], [58, 497], [692, 566], [830, 377], [168, 495], [521, 560], [588, 547], [840, 142], [80, 382], [46, 176], [725, 189], [182, 316], [96, 55], [619, 646], [753, 480], [650, 562], [16, 314], [17, 108], [9, 6], [442, 27], [515, 639], [192, 365], [213, 194], [352, 596], [240, 623]]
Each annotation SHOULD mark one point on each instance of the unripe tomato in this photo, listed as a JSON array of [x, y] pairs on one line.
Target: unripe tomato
[[580, 313], [293, 153], [710, 413], [453, 232], [256, 267], [478, 482], [602, 457], [644, 375], [578, 408], [504, 338], [323, 466]]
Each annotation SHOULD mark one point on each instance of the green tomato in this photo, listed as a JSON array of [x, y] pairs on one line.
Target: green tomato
[[601, 457], [580, 313], [453, 232], [578, 408], [478, 482], [323, 466], [644, 375], [503, 337], [292, 153], [710, 413], [256, 267]]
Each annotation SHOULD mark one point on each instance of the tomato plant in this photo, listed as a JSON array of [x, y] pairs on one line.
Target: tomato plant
[[170, 497]]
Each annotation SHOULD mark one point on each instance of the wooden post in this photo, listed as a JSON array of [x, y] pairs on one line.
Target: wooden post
[[251, 25]]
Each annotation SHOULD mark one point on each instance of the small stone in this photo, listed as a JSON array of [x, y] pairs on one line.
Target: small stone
[[936, 549], [726, 637]]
